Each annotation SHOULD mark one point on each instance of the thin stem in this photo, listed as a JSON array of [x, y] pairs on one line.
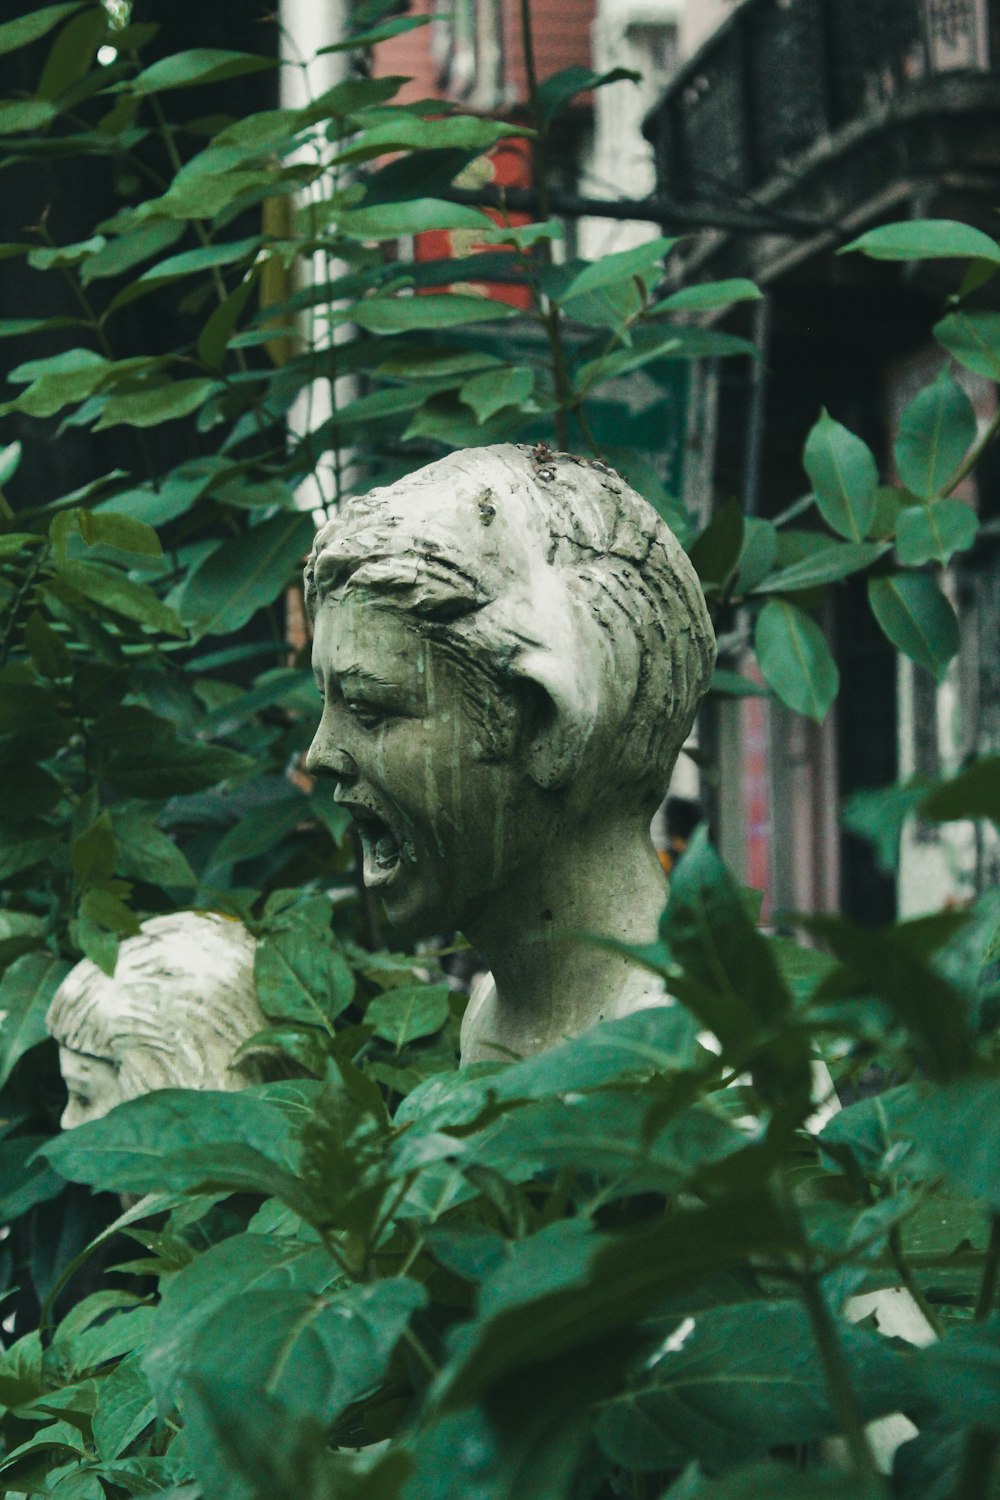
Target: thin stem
[[551, 316], [837, 1373], [410, 1338], [972, 458], [163, 126], [14, 609], [991, 1273], [911, 1283], [978, 1464]]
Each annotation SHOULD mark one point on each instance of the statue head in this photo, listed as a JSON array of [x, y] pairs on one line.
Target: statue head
[[181, 1004], [544, 618]]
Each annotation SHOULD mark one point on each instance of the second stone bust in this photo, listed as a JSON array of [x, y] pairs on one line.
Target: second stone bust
[[511, 647]]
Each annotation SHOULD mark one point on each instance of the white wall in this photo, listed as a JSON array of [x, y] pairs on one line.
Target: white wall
[[637, 34]]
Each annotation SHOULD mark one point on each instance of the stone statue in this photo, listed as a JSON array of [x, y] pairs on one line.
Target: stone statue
[[511, 646], [181, 1004]]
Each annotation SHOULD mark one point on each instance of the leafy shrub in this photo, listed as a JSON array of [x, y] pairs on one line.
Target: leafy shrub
[[595, 1272]]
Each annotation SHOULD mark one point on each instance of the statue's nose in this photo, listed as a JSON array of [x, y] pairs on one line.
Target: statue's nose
[[325, 760]]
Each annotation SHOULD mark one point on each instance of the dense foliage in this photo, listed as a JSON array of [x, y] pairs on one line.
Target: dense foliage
[[596, 1272]]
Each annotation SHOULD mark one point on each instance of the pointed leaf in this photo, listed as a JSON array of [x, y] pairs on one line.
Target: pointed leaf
[[200, 65], [973, 338], [37, 23], [917, 619], [844, 476], [492, 390], [245, 574], [925, 239], [26, 989], [935, 532], [795, 659], [935, 432], [620, 266]]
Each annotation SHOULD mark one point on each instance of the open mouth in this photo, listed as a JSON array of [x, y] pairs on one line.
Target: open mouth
[[380, 848]]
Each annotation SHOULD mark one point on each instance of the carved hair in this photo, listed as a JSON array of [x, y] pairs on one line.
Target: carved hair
[[528, 566], [181, 1004]]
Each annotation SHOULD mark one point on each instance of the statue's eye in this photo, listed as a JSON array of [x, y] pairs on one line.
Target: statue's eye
[[368, 715]]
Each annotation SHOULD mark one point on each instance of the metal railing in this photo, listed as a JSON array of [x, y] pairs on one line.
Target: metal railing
[[779, 75]]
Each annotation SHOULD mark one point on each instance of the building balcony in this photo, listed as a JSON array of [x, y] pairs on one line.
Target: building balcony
[[838, 111]]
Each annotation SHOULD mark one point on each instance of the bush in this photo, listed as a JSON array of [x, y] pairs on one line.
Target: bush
[[595, 1272]]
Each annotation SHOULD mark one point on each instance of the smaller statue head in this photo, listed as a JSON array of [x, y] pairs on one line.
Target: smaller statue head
[[181, 1004], [510, 644]]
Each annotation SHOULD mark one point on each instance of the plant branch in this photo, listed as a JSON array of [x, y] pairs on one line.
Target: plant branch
[[972, 457], [991, 1273], [551, 316], [911, 1283], [837, 1373]]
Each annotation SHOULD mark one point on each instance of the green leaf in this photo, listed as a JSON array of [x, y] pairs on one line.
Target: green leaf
[[891, 964], [149, 406], [300, 977], [607, 1135], [620, 266], [381, 33], [844, 476], [214, 337], [716, 551], [733, 685], [973, 338], [122, 595], [26, 989], [440, 310], [491, 391], [741, 1381], [917, 618], [935, 432], [565, 1285], [29, 114], [205, 258], [144, 852], [183, 1140], [961, 1374], [116, 530], [198, 66], [10, 459], [130, 249], [707, 930], [264, 831], [388, 221], [878, 816], [73, 52], [104, 909], [65, 255], [244, 574], [125, 1408], [37, 23], [795, 659], [958, 1125], [403, 1015], [556, 91], [56, 382], [316, 1353], [826, 565], [973, 793], [925, 239], [708, 295], [92, 854], [243, 1265], [935, 532]]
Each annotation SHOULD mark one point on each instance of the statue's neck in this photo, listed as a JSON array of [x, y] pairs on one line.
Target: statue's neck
[[603, 878]]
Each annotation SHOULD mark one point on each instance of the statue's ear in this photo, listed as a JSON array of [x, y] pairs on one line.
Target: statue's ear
[[560, 707]]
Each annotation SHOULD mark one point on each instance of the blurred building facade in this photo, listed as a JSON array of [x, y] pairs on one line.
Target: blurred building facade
[[841, 114], [847, 114]]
